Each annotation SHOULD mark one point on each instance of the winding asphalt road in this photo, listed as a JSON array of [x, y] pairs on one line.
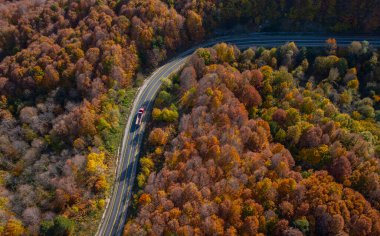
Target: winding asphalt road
[[115, 214]]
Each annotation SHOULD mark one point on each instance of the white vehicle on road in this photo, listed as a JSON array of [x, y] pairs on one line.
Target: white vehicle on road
[[140, 115]]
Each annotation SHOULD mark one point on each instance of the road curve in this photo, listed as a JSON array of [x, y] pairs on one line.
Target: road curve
[[115, 214]]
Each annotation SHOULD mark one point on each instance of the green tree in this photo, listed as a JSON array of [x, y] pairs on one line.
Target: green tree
[[293, 116], [302, 224], [205, 54], [61, 226], [342, 66], [280, 135], [169, 115], [163, 98], [293, 134], [46, 227]]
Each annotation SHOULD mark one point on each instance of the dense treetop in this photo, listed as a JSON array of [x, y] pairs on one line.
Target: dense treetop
[[268, 141]]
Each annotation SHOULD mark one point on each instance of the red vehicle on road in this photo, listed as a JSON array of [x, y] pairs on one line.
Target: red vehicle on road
[[140, 115]]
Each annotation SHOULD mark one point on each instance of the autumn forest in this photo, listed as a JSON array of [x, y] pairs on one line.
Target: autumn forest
[[258, 141], [274, 141]]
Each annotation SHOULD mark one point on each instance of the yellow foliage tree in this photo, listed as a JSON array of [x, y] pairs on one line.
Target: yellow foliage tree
[[315, 156], [95, 163], [13, 228], [101, 184], [145, 199], [156, 114], [353, 84], [286, 186], [267, 71], [225, 52]]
